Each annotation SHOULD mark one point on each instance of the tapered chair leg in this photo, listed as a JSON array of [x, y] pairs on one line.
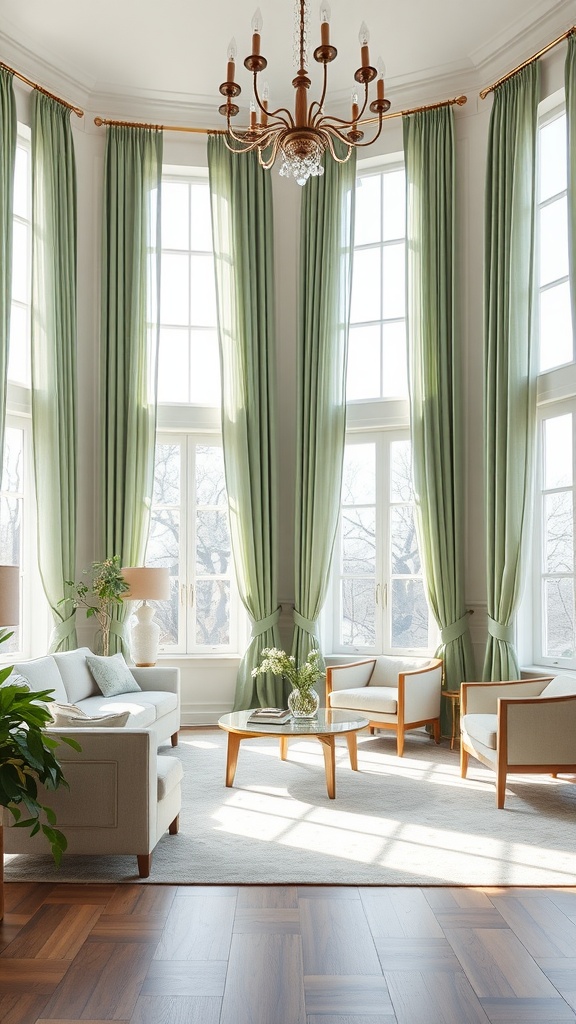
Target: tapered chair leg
[[400, 742], [174, 826], [500, 789], [463, 761], [436, 725]]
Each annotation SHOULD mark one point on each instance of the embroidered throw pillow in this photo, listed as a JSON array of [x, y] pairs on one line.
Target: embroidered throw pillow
[[112, 675], [68, 716]]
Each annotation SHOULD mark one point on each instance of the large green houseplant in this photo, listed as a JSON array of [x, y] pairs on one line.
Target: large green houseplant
[[26, 759]]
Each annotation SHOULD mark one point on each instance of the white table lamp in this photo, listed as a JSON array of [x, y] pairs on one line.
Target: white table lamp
[[146, 584]]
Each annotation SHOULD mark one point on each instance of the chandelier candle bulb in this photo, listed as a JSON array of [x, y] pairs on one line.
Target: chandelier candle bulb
[[232, 51], [380, 82], [252, 115], [355, 107], [325, 25], [364, 38], [256, 30], [265, 98]]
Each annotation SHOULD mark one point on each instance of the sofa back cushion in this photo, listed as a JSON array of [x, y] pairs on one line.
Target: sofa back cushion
[[78, 679], [43, 674], [387, 668], [561, 686]]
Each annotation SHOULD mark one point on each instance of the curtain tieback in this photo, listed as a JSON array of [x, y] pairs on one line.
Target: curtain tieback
[[119, 629], [62, 630], [454, 630], [260, 626], [308, 624], [500, 632]]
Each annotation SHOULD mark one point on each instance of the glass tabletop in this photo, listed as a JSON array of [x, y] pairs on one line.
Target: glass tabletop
[[325, 722]]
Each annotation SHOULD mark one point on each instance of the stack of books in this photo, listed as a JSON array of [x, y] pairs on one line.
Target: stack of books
[[269, 716]]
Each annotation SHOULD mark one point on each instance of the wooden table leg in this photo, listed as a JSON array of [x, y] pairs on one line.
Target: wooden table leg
[[283, 748], [352, 750], [329, 764], [234, 739]]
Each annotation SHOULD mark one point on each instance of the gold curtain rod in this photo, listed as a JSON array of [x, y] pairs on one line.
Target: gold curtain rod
[[100, 121], [40, 88], [525, 63]]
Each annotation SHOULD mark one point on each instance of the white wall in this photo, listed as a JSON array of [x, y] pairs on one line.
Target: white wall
[[208, 683]]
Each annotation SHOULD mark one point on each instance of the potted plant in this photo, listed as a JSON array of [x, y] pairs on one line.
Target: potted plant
[[105, 592], [303, 701], [27, 758]]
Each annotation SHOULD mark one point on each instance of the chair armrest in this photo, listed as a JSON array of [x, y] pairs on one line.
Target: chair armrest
[[482, 698], [538, 730], [421, 689], [346, 677], [158, 678]]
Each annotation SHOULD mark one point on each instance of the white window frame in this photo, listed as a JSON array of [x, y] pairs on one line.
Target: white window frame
[[332, 617], [187, 581], [556, 396]]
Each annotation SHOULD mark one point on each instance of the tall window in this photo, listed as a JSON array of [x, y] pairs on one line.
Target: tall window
[[377, 601], [20, 311], [189, 531], [553, 567], [188, 364], [377, 366], [189, 534], [380, 604], [555, 319]]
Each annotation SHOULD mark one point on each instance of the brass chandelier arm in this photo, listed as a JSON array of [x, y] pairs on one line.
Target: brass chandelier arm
[[267, 164], [357, 145], [329, 120], [338, 159], [40, 88], [272, 113], [530, 60], [313, 115]]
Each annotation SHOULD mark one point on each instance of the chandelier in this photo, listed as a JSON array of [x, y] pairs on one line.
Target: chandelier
[[303, 137]]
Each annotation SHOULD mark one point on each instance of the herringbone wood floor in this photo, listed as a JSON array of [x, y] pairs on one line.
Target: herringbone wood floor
[[159, 954]]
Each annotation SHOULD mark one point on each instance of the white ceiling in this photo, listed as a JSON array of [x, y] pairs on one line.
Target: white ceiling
[[173, 53]]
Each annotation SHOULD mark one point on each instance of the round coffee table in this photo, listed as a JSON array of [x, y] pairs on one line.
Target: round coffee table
[[325, 726]]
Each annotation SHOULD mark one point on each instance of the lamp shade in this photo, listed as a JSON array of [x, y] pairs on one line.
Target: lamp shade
[[146, 583], [9, 595]]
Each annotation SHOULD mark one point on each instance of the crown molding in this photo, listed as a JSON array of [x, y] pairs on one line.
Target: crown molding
[[537, 27]]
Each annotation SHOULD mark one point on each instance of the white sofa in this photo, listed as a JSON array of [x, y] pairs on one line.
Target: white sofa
[[123, 795], [392, 693], [521, 726]]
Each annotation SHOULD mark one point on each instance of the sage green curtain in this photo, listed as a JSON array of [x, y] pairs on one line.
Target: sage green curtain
[[326, 248], [510, 383], [54, 336], [130, 300], [435, 381], [7, 159], [241, 196], [570, 85]]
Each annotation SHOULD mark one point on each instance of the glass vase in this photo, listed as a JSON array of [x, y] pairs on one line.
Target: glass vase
[[303, 703]]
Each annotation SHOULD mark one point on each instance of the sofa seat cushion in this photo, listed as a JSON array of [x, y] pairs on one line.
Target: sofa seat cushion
[[482, 728], [43, 674], [142, 714], [387, 669], [162, 700], [381, 700], [78, 679], [170, 773]]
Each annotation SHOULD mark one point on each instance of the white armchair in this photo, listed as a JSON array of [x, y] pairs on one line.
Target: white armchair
[[526, 725], [392, 693]]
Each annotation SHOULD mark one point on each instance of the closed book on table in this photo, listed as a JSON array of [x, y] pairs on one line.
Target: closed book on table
[[269, 716]]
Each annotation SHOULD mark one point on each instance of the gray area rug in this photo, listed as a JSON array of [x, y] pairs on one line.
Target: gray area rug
[[398, 821]]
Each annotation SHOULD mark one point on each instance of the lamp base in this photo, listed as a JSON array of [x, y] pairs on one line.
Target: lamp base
[[145, 637]]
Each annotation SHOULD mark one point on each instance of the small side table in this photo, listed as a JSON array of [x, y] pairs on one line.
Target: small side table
[[454, 697]]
